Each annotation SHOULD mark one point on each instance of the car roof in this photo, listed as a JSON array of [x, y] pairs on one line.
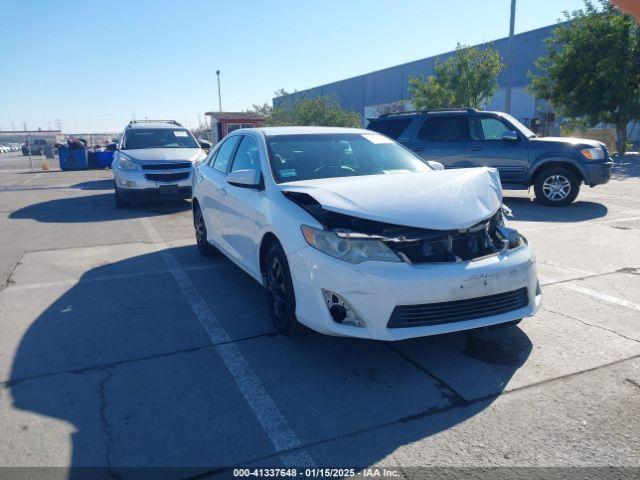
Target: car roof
[[273, 131], [158, 125], [395, 116]]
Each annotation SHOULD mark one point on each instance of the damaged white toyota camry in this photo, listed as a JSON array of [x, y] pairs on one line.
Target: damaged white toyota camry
[[352, 234]]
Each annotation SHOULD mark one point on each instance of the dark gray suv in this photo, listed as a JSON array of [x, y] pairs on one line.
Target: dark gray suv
[[555, 166]]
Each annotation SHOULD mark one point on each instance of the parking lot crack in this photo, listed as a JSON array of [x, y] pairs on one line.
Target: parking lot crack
[[15, 381], [106, 426], [633, 382], [455, 399], [590, 324], [8, 280]]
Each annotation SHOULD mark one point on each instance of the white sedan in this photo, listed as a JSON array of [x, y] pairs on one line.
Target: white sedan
[[352, 234]]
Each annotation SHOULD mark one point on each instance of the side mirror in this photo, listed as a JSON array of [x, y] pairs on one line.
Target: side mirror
[[435, 165], [204, 144], [244, 178], [510, 136]]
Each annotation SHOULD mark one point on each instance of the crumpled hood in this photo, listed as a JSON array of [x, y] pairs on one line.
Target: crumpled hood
[[165, 154], [438, 200], [569, 141]]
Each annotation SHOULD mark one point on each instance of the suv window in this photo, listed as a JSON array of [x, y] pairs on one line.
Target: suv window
[[391, 128], [224, 154], [487, 128], [443, 129], [247, 156], [137, 138]]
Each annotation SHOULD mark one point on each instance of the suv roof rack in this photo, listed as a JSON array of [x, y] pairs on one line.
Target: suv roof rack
[[173, 122], [413, 112]]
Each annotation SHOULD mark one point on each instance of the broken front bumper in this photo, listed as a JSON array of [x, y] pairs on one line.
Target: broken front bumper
[[374, 289]]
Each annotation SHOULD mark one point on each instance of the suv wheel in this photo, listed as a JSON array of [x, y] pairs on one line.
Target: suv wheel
[[281, 298], [120, 203], [556, 186], [204, 247]]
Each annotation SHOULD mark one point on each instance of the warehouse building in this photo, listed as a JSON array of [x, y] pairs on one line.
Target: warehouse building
[[388, 90]]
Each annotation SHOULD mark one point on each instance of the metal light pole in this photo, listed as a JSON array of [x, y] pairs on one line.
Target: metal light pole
[[219, 95], [507, 103], [29, 148]]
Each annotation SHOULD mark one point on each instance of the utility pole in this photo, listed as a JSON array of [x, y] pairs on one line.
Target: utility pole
[[507, 102], [219, 95], [13, 126]]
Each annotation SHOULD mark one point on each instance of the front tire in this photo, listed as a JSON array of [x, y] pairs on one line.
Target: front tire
[[204, 247], [281, 298], [120, 202], [556, 186]]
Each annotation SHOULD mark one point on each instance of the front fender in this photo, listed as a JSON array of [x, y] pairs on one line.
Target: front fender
[[571, 161]]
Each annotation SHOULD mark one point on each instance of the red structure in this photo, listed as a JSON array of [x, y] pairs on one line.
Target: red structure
[[223, 123]]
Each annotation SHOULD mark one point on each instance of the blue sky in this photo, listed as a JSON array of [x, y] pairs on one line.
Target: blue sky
[[93, 64]]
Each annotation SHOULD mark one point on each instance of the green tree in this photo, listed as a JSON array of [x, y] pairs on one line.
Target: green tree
[[322, 111], [467, 79], [592, 68]]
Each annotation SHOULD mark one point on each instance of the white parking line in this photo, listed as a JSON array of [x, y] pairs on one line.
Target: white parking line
[[31, 178], [602, 296], [605, 297], [272, 420]]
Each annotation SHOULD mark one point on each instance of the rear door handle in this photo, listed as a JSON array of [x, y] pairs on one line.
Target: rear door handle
[[223, 191], [476, 149], [418, 149]]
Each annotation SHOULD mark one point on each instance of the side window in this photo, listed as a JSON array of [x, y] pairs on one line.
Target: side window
[[224, 154], [487, 128], [247, 156], [390, 128], [443, 129], [211, 157]]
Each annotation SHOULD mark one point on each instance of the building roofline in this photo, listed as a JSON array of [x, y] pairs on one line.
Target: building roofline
[[528, 32]]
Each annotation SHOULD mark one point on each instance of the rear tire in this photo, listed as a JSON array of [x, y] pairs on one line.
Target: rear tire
[[556, 186], [281, 298], [204, 247]]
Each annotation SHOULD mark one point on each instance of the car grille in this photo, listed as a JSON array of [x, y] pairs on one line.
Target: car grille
[[458, 310], [165, 166], [167, 177]]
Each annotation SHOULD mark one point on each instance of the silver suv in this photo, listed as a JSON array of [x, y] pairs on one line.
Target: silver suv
[[154, 161]]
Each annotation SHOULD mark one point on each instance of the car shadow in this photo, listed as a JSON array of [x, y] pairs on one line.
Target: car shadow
[[137, 379], [106, 184], [529, 210], [94, 208]]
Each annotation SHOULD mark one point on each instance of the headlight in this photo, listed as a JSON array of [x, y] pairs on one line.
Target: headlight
[[593, 153], [352, 251], [125, 164]]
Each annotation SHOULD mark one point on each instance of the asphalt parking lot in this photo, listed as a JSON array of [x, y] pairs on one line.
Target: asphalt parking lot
[[122, 347]]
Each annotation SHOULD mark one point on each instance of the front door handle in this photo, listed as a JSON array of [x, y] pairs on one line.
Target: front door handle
[[418, 149], [223, 191], [476, 149]]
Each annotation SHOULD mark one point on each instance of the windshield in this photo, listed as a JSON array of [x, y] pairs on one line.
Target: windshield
[[309, 157], [524, 130], [158, 138]]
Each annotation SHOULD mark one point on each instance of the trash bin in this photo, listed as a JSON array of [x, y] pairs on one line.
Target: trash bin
[[72, 159], [104, 159], [91, 159]]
